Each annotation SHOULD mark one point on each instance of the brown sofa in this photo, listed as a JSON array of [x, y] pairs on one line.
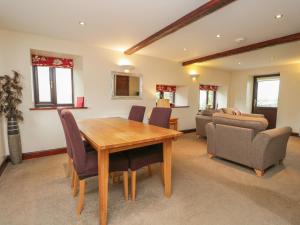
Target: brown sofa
[[204, 117], [245, 140]]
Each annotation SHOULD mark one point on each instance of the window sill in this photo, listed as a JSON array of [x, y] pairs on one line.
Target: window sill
[[185, 106], [55, 108]]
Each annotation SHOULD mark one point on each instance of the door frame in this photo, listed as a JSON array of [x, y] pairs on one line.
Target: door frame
[[254, 94]]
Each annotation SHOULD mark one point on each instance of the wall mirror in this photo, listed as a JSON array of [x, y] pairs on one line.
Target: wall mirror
[[126, 85]]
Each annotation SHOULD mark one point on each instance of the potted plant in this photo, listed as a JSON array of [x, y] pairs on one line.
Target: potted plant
[[10, 98]]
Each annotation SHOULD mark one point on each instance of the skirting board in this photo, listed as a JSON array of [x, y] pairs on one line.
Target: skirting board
[[32, 155], [188, 131]]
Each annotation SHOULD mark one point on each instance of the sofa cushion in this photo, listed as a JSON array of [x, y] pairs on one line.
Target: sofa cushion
[[208, 112], [255, 123]]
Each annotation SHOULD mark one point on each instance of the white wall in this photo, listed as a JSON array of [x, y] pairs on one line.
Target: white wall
[[2, 143], [42, 130], [288, 104]]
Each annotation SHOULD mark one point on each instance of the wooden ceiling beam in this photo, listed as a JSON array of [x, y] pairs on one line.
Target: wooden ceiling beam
[[248, 48], [204, 10]]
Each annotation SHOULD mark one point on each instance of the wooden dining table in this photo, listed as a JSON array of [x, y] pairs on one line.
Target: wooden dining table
[[109, 135]]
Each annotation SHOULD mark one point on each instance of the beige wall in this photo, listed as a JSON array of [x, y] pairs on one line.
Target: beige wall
[[288, 104], [42, 130]]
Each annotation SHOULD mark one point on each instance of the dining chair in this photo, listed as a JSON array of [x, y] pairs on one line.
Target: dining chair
[[86, 163], [146, 156], [69, 149], [137, 113]]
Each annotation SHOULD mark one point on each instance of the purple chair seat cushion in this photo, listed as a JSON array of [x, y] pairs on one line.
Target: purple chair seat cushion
[[117, 162], [144, 156]]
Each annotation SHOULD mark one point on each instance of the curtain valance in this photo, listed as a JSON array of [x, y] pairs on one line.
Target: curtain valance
[[166, 88], [208, 87], [38, 60]]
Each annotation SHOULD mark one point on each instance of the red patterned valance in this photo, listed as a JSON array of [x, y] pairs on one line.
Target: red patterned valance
[[208, 87], [167, 88], [38, 60]]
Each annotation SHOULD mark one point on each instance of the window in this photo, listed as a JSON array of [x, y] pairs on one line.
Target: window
[[53, 86], [207, 99], [166, 92], [267, 91]]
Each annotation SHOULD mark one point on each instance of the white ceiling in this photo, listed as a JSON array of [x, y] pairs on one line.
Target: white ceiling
[[113, 24], [119, 24]]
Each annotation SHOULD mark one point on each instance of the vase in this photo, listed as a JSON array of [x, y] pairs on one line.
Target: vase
[[14, 141]]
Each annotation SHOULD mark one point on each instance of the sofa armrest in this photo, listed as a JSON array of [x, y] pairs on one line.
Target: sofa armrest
[[269, 147], [211, 138], [253, 115], [201, 122]]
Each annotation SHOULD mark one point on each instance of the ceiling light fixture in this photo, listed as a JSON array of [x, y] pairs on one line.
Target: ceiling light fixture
[[239, 63], [279, 16], [81, 23], [218, 35], [240, 39], [185, 49]]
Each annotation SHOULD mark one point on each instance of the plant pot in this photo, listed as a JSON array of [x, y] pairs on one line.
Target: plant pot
[[14, 141]]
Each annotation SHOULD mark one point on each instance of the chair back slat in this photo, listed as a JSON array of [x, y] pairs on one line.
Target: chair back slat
[[160, 117], [69, 148], [137, 113], [73, 133]]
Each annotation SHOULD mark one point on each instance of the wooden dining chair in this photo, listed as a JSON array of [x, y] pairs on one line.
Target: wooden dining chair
[[86, 163], [146, 156], [70, 166], [137, 113]]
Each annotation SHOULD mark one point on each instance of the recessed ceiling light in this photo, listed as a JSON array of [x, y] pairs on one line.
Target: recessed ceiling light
[[185, 49], [81, 23], [278, 16], [240, 39], [239, 63], [218, 35]]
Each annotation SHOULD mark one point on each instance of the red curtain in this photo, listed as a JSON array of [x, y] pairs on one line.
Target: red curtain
[[167, 88], [38, 60], [208, 87]]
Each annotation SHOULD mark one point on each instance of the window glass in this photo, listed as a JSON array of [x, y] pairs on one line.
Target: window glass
[[63, 85], [210, 99], [170, 96], [43, 76], [267, 92], [202, 100]]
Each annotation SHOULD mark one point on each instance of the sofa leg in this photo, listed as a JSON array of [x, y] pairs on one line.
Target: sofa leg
[[210, 155], [259, 173]]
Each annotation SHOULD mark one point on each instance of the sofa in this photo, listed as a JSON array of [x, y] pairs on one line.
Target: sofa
[[245, 140], [205, 116]]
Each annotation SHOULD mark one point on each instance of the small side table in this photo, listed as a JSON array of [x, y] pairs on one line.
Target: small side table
[[173, 123]]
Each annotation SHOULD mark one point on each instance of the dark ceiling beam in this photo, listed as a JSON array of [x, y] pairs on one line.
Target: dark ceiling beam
[[191, 17], [248, 48]]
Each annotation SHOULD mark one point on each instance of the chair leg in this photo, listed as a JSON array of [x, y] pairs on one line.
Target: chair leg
[[133, 185], [75, 188], [69, 173], [210, 155], [162, 173], [73, 177], [125, 183], [81, 196], [259, 173], [149, 170]]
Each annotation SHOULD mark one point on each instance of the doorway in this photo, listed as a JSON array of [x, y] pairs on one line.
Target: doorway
[[265, 97]]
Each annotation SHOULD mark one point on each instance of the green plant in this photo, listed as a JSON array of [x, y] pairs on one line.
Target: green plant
[[10, 96]]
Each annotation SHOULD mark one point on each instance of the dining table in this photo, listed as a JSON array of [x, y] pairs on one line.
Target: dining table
[[115, 134]]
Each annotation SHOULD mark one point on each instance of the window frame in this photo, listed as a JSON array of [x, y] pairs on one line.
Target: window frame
[[214, 99], [52, 80]]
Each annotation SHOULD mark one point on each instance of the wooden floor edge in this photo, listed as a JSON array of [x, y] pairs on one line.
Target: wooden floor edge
[[4, 165], [43, 153]]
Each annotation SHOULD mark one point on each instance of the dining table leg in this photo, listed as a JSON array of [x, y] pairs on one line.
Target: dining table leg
[[167, 165], [103, 172]]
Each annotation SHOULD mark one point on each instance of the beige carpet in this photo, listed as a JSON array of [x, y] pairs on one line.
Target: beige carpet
[[205, 191]]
